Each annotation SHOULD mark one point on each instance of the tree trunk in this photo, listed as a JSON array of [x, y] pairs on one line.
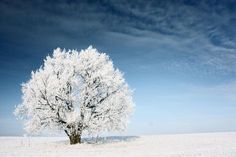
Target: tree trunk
[[75, 138]]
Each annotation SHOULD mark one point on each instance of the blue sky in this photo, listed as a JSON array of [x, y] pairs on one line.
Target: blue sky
[[179, 56]]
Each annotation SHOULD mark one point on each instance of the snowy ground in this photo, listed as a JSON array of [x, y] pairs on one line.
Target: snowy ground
[[181, 145]]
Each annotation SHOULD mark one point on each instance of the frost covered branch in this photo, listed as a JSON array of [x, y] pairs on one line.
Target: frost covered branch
[[76, 92]]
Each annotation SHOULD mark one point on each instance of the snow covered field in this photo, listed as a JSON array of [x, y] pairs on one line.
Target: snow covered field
[[180, 145]]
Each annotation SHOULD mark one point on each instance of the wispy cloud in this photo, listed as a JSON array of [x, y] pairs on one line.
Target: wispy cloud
[[178, 35]]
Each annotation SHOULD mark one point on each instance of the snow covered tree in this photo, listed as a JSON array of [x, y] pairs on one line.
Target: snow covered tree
[[76, 92]]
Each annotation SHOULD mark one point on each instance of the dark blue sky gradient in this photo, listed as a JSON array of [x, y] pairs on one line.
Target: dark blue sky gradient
[[179, 56]]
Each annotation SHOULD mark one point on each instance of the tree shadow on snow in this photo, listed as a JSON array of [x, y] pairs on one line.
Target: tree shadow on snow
[[108, 139], [101, 140]]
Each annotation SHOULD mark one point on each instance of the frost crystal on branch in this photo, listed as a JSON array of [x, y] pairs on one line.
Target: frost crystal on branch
[[76, 92]]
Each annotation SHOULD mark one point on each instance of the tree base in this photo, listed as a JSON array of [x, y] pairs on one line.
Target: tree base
[[74, 139]]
